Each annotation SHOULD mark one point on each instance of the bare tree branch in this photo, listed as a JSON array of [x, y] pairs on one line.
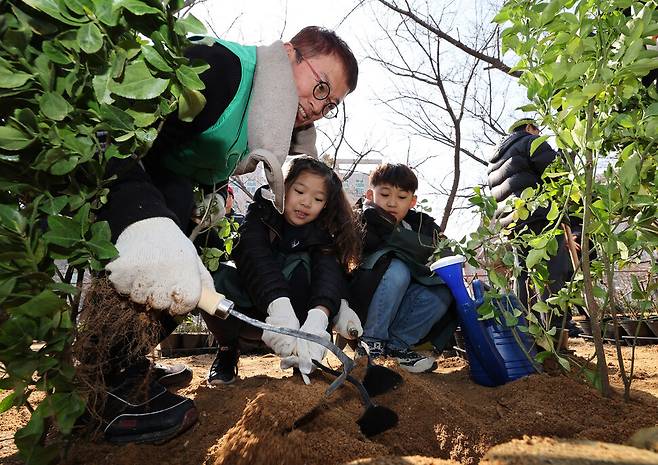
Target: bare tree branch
[[494, 62]]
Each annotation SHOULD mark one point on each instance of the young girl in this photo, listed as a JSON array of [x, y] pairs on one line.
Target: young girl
[[290, 268]]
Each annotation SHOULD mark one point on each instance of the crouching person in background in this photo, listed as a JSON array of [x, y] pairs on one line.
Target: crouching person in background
[[290, 270], [400, 298]]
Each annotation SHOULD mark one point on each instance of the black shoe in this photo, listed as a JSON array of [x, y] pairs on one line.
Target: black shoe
[[574, 330], [412, 361], [373, 348], [146, 414], [172, 375], [224, 369]]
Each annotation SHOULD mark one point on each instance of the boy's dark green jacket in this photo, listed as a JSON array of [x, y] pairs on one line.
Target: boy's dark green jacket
[[384, 240]]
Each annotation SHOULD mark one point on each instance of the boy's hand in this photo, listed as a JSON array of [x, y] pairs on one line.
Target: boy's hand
[[376, 215], [281, 313], [347, 322], [159, 266]]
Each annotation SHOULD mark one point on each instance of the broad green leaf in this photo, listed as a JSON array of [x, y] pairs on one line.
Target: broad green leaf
[[138, 83], [53, 51], [564, 363], [62, 231], [64, 166], [10, 79], [106, 12], [117, 118], [13, 139], [137, 7], [102, 92], [189, 78], [629, 172], [53, 9], [550, 11], [90, 38], [7, 402], [155, 59], [54, 106], [652, 110], [536, 143], [12, 219], [190, 104], [632, 51], [534, 257], [142, 119], [189, 25], [554, 212], [6, 288], [590, 90], [67, 408], [44, 304]]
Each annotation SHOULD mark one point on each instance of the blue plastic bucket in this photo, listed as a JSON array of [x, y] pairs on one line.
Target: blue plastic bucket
[[494, 355]]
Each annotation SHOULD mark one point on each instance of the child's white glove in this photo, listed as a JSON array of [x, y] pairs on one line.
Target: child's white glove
[[159, 266], [306, 351], [215, 206], [280, 313], [346, 322]]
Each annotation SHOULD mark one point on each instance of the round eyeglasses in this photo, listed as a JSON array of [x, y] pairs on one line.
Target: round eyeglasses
[[321, 90]]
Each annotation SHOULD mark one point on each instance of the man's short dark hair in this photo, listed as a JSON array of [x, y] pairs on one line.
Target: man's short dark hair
[[314, 40], [395, 174]]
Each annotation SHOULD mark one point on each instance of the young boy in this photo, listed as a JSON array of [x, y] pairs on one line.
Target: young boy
[[402, 298]]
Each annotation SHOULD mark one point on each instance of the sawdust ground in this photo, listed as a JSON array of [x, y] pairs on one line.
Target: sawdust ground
[[442, 415]]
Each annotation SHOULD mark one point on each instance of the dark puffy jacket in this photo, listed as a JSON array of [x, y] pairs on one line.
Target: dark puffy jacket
[[265, 237], [512, 169]]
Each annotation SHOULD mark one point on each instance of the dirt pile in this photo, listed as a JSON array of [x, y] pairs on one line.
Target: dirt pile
[[544, 451], [442, 416]]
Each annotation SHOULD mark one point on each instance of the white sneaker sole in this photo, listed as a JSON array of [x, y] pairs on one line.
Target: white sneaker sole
[[421, 366]]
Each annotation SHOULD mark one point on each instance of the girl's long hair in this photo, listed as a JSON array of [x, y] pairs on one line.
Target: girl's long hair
[[337, 216]]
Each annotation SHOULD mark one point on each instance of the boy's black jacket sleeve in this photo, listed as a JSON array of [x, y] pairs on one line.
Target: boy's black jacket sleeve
[[137, 191]]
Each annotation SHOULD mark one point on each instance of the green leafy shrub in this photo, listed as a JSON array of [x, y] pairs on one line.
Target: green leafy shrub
[[81, 82]]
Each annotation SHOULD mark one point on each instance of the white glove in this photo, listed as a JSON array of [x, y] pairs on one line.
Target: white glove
[[158, 266], [215, 205], [347, 321], [306, 351], [280, 313]]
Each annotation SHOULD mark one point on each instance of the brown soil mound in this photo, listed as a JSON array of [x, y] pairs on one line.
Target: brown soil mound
[[409, 460], [442, 415], [547, 451]]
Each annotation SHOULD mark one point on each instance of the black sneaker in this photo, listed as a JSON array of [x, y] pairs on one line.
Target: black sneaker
[[373, 348], [137, 413], [412, 361], [177, 375], [574, 329], [224, 369]]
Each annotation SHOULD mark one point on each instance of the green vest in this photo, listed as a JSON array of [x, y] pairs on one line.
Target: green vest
[[212, 156]]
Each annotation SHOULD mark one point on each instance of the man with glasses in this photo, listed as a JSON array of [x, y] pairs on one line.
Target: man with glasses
[[261, 103]]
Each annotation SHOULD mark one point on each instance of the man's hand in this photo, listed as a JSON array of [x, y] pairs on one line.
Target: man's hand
[[158, 266], [280, 313], [347, 322]]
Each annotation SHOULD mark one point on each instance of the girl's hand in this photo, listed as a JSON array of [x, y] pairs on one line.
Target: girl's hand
[[281, 313], [307, 351], [347, 322]]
